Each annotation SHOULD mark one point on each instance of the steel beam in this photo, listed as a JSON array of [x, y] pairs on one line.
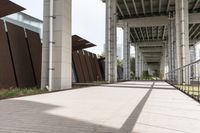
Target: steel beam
[[127, 8], [156, 21]]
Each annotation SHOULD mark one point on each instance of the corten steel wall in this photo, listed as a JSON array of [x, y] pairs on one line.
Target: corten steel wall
[[102, 67], [77, 67], [89, 66], [21, 56], [7, 75], [94, 70], [35, 48], [99, 76], [86, 66]]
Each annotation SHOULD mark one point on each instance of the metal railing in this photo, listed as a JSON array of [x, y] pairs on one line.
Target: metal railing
[[186, 79]]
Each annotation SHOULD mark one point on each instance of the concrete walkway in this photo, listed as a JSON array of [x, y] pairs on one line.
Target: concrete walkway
[[130, 107]]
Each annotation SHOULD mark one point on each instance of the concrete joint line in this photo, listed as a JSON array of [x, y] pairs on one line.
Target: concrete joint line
[[129, 124]]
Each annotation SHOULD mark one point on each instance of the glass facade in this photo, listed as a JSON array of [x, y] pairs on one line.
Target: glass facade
[[26, 21]]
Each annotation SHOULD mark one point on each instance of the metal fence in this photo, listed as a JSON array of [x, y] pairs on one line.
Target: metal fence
[[187, 79]]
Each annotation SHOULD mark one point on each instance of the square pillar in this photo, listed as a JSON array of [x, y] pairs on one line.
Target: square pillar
[[171, 47], [140, 63], [137, 61], [62, 47], [182, 38], [111, 41], [126, 53]]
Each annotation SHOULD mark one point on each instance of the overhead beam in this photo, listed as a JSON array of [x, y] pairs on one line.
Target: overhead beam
[[143, 7], [195, 37], [147, 33], [142, 33], [150, 50], [151, 55], [120, 10], [194, 31], [151, 2], [135, 7], [127, 8], [160, 6], [132, 37], [136, 34], [156, 21], [191, 27], [151, 44], [168, 5], [195, 5]]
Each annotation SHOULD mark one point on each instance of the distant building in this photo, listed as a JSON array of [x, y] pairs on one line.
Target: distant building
[[24, 20]]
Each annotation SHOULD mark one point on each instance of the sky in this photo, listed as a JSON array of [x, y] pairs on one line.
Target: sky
[[88, 20]]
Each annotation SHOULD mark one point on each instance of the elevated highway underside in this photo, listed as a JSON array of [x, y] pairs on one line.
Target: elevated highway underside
[[162, 32]]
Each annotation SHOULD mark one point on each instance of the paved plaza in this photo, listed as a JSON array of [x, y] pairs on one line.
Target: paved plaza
[[128, 107]]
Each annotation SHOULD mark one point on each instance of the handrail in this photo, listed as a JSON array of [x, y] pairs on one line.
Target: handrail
[[186, 79], [184, 66]]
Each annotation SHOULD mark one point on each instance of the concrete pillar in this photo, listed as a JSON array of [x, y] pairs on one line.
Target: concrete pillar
[[140, 66], [61, 61], [111, 41], [162, 64], [166, 65], [171, 46], [182, 38], [126, 53], [136, 61]]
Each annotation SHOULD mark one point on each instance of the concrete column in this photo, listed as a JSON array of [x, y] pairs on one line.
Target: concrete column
[[136, 61], [182, 38], [166, 65], [140, 67], [171, 46], [111, 41], [142, 64], [62, 62], [162, 64], [126, 53]]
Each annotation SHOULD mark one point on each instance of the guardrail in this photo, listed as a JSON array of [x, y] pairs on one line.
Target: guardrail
[[186, 79]]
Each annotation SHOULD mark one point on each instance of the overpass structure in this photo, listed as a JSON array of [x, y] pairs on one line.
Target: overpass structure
[[162, 32]]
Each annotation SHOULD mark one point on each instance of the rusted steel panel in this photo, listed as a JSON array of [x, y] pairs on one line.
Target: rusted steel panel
[[77, 64], [7, 76], [7, 7], [84, 66], [97, 68], [35, 47], [21, 56], [93, 66], [89, 66], [102, 67]]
